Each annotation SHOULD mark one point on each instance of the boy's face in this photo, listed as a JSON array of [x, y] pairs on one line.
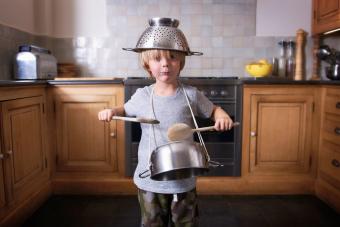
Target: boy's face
[[165, 67]]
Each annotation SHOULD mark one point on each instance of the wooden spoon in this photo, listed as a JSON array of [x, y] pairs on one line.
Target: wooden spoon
[[183, 131], [136, 119]]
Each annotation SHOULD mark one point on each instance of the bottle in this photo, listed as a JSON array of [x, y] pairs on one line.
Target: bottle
[[290, 64], [282, 59]]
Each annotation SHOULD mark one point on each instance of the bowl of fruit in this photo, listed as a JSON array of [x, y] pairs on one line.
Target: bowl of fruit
[[260, 68]]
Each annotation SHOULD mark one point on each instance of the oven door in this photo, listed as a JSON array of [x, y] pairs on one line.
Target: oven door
[[222, 146]]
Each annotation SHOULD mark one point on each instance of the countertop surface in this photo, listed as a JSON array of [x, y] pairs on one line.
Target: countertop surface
[[117, 80]]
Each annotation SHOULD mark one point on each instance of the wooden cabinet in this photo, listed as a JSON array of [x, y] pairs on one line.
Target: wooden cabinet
[[326, 15], [24, 165], [23, 140], [328, 182], [87, 148], [2, 182], [278, 125]]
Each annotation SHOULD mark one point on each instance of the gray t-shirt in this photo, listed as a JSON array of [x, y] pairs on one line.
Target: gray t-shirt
[[168, 110]]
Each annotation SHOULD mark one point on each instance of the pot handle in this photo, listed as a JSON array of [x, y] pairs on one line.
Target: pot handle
[[215, 164], [142, 174]]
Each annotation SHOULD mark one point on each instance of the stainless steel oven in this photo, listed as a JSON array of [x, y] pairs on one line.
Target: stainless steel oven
[[224, 147]]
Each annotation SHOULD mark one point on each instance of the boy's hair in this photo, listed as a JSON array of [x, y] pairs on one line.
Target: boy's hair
[[147, 55]]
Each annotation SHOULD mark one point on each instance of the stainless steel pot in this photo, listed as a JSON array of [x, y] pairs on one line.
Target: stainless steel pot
[[178, 160]]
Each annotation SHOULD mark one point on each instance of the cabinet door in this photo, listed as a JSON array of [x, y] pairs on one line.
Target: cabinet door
[[85, 144], [23, 138], [2, 182], [326, 15], [280, 134]]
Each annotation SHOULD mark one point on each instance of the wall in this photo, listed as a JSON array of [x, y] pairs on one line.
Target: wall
[[283, 18], [225, 31], [92, 36]]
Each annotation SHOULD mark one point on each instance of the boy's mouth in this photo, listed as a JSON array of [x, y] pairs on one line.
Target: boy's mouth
[[165, 73]]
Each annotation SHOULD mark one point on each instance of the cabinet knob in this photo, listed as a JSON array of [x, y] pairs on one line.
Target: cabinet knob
[[337, 130], [336, 163], [7, 154], [252, 134], [112, 134], [1, 156], [337, 105]]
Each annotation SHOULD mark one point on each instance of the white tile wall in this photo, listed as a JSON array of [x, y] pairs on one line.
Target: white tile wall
[[224, 30]]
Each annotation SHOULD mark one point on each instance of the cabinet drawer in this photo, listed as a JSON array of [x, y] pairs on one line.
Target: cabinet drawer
[[331, 128], [330, 162], [332, 101]]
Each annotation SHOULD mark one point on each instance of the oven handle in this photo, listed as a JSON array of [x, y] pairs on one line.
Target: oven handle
[[215, 164]]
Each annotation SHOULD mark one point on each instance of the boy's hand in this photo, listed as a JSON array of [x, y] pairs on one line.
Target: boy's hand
[[106, 115], [223, 123], [222, 120]]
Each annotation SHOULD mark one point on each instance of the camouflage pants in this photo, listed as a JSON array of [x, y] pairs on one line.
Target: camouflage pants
[[162, 210]]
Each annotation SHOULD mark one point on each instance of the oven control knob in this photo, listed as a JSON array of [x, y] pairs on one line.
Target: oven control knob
[[213, 93], [224, 93]]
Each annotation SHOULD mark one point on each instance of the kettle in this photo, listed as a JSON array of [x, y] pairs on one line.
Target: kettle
[[332, 57]]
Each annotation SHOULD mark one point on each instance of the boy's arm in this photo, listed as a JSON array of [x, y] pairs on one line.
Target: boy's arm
[[106, 115], [221, 118]]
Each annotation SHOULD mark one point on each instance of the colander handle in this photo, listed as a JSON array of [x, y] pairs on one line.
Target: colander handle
[[196, 53], [128, 49]]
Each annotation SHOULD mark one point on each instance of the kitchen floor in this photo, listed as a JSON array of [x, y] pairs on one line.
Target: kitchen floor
[[215, 211]]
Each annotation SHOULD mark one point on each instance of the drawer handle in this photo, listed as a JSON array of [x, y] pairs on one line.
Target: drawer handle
[[337, 130], [337, 105], [336, 163]]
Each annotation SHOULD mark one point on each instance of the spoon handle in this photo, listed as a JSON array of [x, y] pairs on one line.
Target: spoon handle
[[210, 128], [133, 119]]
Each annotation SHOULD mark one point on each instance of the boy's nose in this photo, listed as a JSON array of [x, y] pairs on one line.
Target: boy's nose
[[164, 61]]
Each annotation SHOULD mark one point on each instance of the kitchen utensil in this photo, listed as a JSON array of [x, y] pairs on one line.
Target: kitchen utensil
[[178, 160], [328, 55], [33, 62], [138, 119], [183, 131], [300, 55], [259, 69], [333, 72], [163, 34]]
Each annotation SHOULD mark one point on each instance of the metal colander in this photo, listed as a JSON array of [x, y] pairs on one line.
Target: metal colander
[[163, 34]]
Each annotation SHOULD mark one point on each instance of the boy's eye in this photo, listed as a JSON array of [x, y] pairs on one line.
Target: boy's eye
[[172, 56], [158, 58]]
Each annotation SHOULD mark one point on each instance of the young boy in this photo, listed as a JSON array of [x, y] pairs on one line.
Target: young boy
[[166, 202]]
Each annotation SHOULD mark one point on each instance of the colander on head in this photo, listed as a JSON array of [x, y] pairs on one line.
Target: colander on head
[[163, 34]]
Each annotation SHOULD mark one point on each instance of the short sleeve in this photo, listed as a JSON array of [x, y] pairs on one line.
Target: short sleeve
[[133, 106], [204, 105]]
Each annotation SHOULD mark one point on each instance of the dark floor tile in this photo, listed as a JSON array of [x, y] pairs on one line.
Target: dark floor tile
[[215, 211]]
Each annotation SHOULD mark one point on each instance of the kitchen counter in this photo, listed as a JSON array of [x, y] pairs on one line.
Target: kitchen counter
[[86, 80], [274, 81], [73, 81], [98, 80], [11, 83]]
